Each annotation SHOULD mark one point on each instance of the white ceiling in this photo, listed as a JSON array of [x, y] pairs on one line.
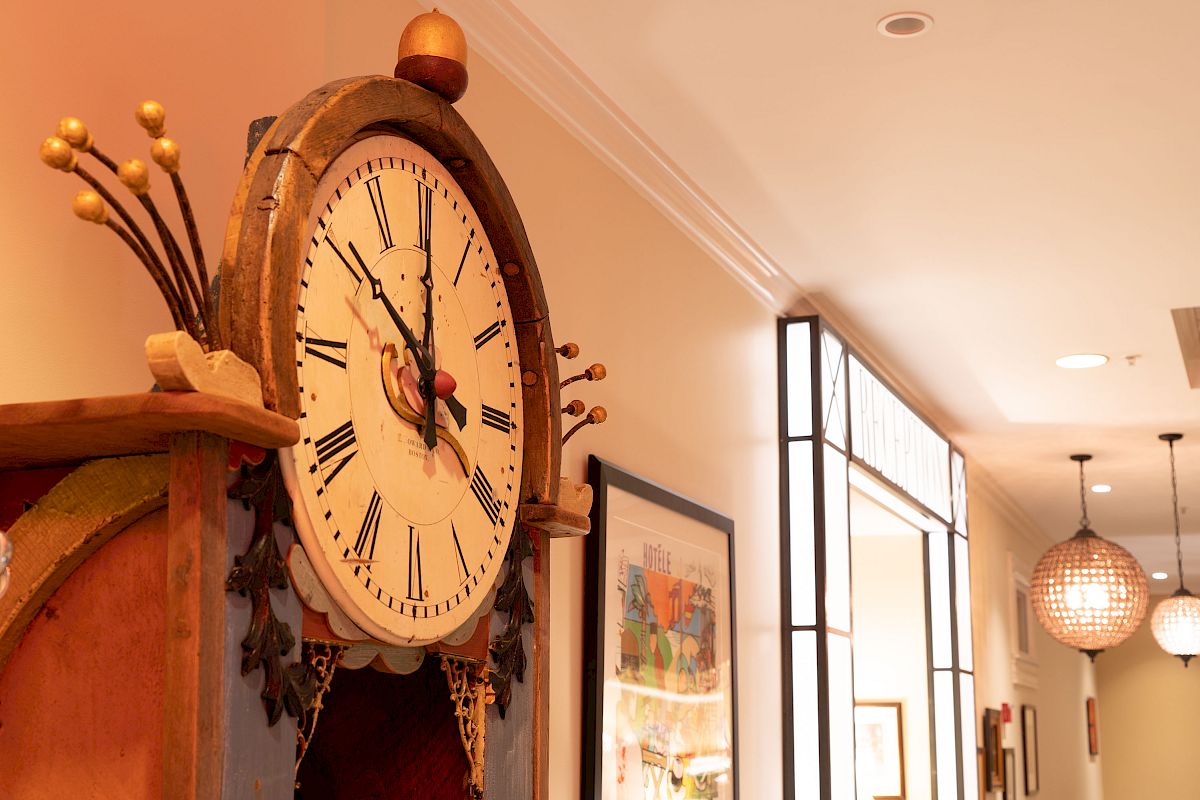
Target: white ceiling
[[1018, 184]]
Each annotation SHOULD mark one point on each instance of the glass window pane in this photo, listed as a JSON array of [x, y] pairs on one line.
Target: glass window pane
[[958, 475], [970, 767], [962, 587], [802, 522], [837, 540], [944, 736], [939, 599], [833, 388], [841, 718], [798, 358], [806, 752]]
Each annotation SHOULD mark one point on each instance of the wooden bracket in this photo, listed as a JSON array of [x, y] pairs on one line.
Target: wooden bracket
[[179, 363]]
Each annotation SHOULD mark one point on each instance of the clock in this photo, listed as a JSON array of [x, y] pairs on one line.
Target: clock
[[406, 478], [381, 282]]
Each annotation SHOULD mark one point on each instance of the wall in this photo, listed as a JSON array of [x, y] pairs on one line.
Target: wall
[[889, 634], [1148, 707], [691, 357], [1065, 677]]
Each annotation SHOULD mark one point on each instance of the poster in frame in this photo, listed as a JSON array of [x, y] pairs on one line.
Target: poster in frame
[[879, 750], [993, 749], [660, 706], [1093, 728], [1010, 774], [1029, 740]]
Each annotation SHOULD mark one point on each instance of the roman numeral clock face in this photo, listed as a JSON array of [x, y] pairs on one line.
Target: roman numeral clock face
[[405, 482]]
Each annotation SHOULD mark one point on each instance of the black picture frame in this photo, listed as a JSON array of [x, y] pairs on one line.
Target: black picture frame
[[604, 476], [1029, 741]]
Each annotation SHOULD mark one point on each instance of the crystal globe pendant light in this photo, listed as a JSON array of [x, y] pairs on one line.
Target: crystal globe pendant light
[[1176, 620], [1088, 592]]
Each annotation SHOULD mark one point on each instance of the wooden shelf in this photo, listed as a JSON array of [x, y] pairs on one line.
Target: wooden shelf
[[554, 520], [71, 431]]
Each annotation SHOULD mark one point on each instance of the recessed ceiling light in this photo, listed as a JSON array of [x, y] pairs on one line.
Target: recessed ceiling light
[[1101, 488], [1159, 576], [905, 25], [1082, 361]]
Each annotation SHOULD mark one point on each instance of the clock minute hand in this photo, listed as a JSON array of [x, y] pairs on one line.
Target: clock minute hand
[[410, 339]]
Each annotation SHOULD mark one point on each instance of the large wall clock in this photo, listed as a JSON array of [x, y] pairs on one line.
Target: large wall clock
[[381, 282]]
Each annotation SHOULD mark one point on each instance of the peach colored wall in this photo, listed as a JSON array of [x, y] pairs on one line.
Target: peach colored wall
[[1065, 678], [691, 355], [1148, 707]]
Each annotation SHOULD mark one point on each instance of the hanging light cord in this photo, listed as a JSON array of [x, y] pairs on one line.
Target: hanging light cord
[[1084, 522], [1175, 505]]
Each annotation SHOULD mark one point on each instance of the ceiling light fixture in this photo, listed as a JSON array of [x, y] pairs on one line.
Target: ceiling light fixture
[[1088, 592], [1176, 620], [905, 25], [1101, 488], [1082, 361], [1159, 576]]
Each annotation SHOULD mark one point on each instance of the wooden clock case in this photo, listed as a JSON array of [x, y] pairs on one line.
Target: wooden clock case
[[120, 643]]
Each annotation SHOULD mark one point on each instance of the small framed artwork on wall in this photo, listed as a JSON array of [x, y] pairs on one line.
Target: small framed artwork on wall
[[1093, 728], [879, 750], [1010, 774], [1029, 740], [993, 750], [660, 709]]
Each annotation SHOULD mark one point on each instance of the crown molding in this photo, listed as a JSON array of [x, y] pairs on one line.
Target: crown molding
[[514, 45], [981, 482]]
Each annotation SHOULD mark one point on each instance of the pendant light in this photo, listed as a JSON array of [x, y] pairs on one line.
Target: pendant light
[[1176, 620], [1088, 592]]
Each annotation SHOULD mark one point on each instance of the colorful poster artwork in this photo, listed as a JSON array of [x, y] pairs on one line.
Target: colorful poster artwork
[[671, 718]]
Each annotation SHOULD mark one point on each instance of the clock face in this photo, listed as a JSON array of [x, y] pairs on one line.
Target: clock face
[[407, 538]]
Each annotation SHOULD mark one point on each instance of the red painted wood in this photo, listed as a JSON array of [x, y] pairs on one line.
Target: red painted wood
[[81, 699], [386, 737]]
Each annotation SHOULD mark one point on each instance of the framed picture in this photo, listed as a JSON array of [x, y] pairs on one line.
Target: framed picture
[[660, 708], [1010, 774], [993, 750], [1093, 728], [1029, 740], [879, 750]]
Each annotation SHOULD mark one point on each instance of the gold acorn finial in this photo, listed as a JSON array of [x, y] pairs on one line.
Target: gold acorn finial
[[433, 55], [88, 206], [56, 152], [152, 117], [165, 153], [75, 133], [135, 176]]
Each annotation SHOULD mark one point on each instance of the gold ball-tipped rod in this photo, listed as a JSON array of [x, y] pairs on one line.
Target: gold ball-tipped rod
[[152, 117], [596, 372], [89, 206], [136, 178], [596, 416], [57, 153]]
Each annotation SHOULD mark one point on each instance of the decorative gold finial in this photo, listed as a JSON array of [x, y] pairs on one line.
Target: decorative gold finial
[[151, 116], [88, 206], [56, 152], [135, 176], [433, 55], [165, 153], [75, 133]]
